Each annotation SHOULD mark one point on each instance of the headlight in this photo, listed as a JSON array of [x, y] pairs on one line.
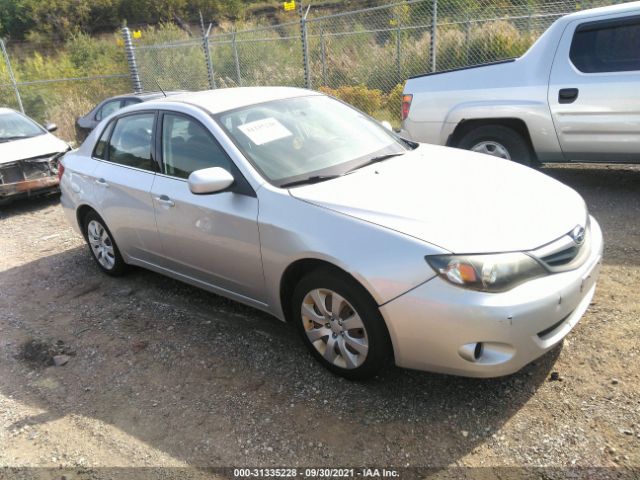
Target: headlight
[[487, 273]]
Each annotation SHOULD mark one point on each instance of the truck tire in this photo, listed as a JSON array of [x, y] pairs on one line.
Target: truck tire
[[498, 141]]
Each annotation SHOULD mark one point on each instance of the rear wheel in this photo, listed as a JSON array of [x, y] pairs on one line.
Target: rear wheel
[[103, 248], [498, 141], [341, 324]]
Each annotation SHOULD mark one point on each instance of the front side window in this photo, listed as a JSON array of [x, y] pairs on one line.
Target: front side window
[[14, 126], [187, 146], [130, 143], [612, 46], [108, 108], [296, 138]]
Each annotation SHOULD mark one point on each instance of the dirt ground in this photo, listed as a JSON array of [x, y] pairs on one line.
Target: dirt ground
[[161, 374]]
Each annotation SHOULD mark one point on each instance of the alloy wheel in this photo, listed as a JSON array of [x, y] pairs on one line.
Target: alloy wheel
[[491, 148], [334, 328], [101, 244]]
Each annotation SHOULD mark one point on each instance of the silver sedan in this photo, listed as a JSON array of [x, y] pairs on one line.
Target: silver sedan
[[377, 249]]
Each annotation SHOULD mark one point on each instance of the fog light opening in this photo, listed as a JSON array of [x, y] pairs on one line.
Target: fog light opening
[[477, 352]]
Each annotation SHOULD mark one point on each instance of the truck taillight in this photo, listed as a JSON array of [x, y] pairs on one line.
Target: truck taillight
[[406, 105]]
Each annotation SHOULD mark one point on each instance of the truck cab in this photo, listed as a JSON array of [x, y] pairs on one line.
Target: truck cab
[[574, 96]]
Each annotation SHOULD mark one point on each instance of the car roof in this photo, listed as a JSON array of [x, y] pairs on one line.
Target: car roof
[[146, 96], [223, 99], [609, 10], [8, 110]]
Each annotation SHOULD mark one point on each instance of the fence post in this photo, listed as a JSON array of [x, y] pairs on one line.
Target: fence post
[[467, 38], [11, 77], [305, 45], [207, 53], [323, 53], [398, 60], [131, 59], [434, 34], [235, 56]]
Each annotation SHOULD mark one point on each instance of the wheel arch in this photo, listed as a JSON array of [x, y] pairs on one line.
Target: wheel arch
[[467, 125], [81, 213], [298, 269]]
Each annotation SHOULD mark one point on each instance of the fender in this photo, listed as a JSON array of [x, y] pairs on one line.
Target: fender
[[534, 114]]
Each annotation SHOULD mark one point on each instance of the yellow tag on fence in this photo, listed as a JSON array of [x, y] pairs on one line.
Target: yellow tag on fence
[[288, 6], [137, 34]]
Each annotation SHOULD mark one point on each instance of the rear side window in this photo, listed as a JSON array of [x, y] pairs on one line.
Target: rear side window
[[610, 46], [130, 143], [108, 108], [129, 101]]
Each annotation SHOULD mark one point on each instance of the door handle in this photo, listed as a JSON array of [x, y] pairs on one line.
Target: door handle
[[102, 182], [567, 95], [165, 200]]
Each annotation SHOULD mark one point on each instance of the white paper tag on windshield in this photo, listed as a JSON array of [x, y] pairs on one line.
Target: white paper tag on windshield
[[265, 130]]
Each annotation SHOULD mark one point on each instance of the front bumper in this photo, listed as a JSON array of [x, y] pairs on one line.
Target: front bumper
[[437, 326], [28, 177]]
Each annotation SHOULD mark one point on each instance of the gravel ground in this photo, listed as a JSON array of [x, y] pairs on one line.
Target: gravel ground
[[161, 374]]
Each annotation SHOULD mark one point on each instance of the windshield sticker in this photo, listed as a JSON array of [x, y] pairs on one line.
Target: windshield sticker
[[265, 130]]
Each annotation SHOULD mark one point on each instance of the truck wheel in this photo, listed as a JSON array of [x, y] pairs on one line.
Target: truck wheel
[[499, 141]]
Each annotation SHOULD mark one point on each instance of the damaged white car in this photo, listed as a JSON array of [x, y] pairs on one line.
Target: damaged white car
[[29, 156]]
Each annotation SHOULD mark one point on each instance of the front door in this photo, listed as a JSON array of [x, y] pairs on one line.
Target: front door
[[594, 90], [211, 238]]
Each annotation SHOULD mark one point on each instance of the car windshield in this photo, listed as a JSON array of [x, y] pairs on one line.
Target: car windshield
[[308, 138], [14, 126]]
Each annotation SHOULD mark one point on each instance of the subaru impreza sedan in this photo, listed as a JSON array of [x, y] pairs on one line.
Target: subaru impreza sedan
[[377, 249]]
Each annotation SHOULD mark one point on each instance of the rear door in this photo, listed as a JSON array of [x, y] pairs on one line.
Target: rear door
[[123, 181], [594, 90], [211, 238]]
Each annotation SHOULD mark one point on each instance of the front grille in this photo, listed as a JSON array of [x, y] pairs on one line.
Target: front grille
[[33, 170], [564, 253], [11, 174], [562, 257], [30, 169]]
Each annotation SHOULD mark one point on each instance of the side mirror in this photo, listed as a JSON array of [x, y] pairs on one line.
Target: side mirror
[[210, 180], [51, 127], [387, 125]]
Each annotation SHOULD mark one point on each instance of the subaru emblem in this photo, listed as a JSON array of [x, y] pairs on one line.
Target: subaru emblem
[[578, 234]]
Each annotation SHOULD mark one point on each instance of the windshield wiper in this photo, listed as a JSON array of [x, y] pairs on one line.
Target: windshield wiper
[[379, 158], [309, 180]]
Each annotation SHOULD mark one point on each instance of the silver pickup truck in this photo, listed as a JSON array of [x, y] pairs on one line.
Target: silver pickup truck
[[574, 96]]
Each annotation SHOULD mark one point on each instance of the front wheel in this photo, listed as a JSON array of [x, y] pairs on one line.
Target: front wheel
[[341, 325], [498, 141]]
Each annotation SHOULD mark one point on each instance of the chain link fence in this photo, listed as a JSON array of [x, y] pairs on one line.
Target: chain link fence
[[365, 56], [52, 100], [362, 56], [264, 56]]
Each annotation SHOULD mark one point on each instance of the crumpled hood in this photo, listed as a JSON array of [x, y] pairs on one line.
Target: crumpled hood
[[31, 147], [461, 201]]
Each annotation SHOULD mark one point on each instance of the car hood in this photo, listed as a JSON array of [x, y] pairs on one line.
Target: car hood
[[461, 201], [37, 146]]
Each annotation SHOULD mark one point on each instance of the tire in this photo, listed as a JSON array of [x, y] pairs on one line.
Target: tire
[[102, 246], [501, 140], [358, 348]]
